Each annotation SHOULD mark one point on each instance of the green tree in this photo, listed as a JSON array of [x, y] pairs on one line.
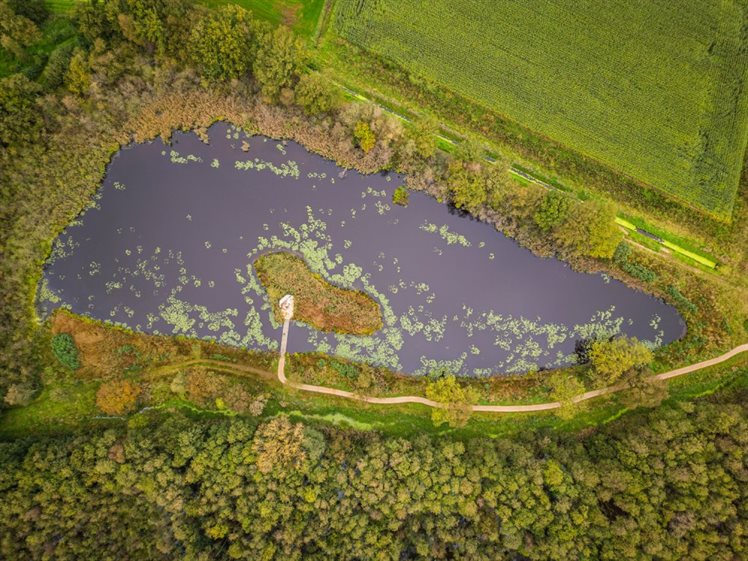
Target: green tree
[[554, 210], [423, 132], [315, 94], [78, 75], [565, 387], [16, 31], [96, 19], [279, 63], [611, 358], [642, 389], [57, 65], [35, 10], [223, 43], [456, 399], [590, 230], [21, 120], [365, 137], [466, 187], [469, 151], [141, 24]]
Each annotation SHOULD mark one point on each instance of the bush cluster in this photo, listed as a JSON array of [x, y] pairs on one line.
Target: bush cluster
[[65, 350]]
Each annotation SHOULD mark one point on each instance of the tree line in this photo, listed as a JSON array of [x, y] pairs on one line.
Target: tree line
[[670, 484]]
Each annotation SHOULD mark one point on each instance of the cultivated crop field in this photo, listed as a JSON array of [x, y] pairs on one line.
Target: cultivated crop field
[[652, 88]]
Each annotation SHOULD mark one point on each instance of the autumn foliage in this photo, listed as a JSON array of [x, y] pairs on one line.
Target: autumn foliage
[[117, 397]]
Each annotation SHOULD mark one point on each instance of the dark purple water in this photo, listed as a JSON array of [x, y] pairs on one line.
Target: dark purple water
[[168, 248]]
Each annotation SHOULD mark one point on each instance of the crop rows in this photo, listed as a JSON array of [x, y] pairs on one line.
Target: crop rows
[[652, 88]]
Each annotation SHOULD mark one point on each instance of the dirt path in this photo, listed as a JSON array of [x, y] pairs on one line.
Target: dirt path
[[240, 369]]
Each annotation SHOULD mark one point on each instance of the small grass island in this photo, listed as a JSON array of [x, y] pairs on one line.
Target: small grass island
[[318, 303]]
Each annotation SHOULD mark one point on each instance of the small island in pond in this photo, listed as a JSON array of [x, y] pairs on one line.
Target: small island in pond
[[318, 303]]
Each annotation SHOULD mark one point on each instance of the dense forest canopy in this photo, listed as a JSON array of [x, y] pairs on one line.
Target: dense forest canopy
[[668, 485]]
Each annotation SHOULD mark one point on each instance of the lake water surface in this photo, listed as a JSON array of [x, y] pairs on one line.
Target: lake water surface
[[168, 243]]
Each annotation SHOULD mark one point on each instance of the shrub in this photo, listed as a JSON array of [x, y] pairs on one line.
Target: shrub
[[640, 272], [18, 394], [684, 303], [202, 386], [564, 387], [400, 196], [65, 350], [345, 369], [621, 258], [117, 397], [364, 136], [457, 401]]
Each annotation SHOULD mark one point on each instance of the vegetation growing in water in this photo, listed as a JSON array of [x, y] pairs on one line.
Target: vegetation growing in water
[[400, 196], [316, 301]]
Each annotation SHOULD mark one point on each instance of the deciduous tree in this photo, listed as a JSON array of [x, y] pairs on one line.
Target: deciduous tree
[[553, 211], [590, 229], [21, 120], [16, 31], [315, 94], [117, 397], [610, 358], [365, 137], [223, 43], [457, 401], [279, 62]]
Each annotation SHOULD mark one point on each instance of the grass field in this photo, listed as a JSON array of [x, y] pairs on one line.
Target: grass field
[[650, 88], [302, 15]]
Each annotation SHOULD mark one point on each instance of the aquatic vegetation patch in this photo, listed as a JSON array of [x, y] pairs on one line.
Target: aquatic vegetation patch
[[448, 236]]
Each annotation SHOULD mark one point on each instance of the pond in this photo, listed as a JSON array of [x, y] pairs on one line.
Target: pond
[[168, 242]]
